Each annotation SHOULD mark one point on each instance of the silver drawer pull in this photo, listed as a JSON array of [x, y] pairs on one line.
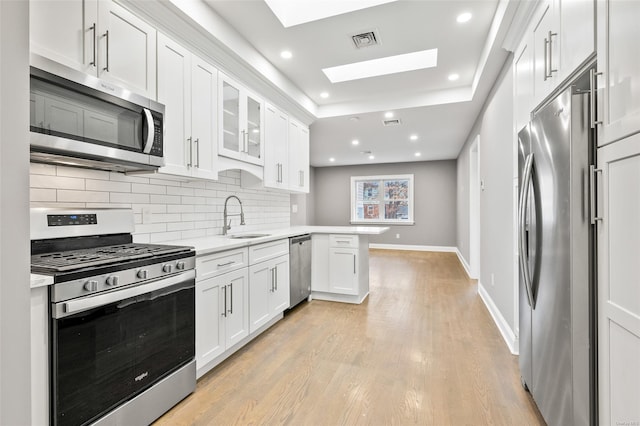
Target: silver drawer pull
[[231, 262]]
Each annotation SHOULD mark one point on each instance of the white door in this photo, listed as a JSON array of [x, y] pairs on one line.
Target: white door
[[280, 295], [174, 91], [343, 271], [203, 118], [64, 31], [126, 49], [261, 285], [618, 285], [237, 306], [210, 338], [619, 63]]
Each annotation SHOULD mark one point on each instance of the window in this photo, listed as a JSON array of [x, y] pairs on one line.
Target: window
[[382, 199]]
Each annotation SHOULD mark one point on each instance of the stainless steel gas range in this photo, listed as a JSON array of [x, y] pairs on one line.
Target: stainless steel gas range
[[122, 317]]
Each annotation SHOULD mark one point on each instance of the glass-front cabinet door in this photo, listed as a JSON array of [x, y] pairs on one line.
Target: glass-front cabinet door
[[241, 123]]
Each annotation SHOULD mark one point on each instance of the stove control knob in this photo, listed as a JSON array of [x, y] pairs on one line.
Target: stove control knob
[[142, 274], [113, 280], [91, 285], [167, 268], [180, 265]]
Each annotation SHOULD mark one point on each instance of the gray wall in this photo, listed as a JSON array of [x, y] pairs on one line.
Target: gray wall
[[15, 375], [434, 209], [497, 200]]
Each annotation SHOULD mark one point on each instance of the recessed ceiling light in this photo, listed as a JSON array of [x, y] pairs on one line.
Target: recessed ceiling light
[[464, 17], [292, 13], [413, 137], [388, 114], [286, 54], [355, 142], [417, 154], [332, 159], [383, 66], [324, 95], [453, 77], [371, 157]]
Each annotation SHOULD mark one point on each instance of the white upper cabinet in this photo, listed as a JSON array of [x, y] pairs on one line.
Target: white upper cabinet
[[298, 157], [98, 37], [563, 39], [241, 122], [187, 86], [276, 148], [619, 63]]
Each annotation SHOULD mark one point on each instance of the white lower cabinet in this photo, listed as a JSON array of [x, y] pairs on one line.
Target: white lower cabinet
[[618, 239], [340, 267], [268, 291], [222, 314], [343, 270]]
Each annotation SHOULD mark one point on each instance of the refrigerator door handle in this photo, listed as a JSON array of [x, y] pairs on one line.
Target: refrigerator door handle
[[523, 204]]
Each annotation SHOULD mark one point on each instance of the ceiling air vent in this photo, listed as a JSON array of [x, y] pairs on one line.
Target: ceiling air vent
[[392, 122], [365, 39]]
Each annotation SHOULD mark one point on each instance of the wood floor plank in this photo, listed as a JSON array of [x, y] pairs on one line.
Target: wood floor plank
[[421, 350]]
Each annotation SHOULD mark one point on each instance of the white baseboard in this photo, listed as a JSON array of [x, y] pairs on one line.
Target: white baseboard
[[465, 265], [507, 334], [412, 247]]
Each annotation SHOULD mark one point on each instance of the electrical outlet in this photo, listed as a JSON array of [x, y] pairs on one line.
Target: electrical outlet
[[294, 208], [398, 236]]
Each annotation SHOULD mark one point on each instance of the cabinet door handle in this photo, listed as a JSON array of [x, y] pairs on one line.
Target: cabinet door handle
[[276, 280], [190, 160], [197, 142], [93, 40], [551, 70], [593, 89], [354, 264], [224, 311], [231, 302], [272, 279], [546, 58], [106, 35], [592, 194]]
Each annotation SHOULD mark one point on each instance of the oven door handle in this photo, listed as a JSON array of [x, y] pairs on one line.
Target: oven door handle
[[75, 306]]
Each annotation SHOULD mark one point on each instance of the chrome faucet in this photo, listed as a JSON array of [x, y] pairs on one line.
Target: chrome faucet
[[226, 225]]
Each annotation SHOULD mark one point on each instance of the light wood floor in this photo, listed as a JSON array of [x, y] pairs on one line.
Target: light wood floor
[[422, 349]]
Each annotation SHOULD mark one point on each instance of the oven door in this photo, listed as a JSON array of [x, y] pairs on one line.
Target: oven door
[[112, 346]]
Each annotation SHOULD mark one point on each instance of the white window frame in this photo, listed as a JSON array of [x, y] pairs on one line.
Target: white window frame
[[380, 201]]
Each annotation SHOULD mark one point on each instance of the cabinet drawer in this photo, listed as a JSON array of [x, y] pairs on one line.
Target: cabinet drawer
[[337, 240], [220, 263], [266, 251]]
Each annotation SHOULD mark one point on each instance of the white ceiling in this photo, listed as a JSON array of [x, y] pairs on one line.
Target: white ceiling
[[439, 111]]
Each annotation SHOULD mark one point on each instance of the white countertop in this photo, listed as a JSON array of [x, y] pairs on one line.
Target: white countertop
[[40, 280], [217, 243]]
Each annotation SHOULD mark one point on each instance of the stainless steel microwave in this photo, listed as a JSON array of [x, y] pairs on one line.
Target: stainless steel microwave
[[80, 120]]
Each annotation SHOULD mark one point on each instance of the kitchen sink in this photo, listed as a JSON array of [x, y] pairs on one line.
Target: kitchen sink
[[247, 236]]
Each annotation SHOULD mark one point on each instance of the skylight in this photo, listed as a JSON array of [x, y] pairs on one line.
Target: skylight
[[383, 66], [297, 12]]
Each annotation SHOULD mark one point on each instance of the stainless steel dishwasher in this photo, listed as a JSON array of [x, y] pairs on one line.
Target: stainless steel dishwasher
[[299, 268]]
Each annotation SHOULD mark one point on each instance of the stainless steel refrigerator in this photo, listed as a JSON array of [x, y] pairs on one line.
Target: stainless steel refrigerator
[[556, 257]]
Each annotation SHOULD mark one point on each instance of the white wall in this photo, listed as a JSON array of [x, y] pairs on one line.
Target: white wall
[[14, 209], [178, 209], [497, 248]]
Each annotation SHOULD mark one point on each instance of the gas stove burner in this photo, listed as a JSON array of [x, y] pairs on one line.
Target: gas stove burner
[[65, 261]]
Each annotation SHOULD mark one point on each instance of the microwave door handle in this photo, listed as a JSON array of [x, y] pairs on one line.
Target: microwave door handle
[[148, 119]]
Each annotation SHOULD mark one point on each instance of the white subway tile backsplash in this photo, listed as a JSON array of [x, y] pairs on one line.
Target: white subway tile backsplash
[[83, 196], [56, 182], [179, 209], [124, 197], [107, 185]]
